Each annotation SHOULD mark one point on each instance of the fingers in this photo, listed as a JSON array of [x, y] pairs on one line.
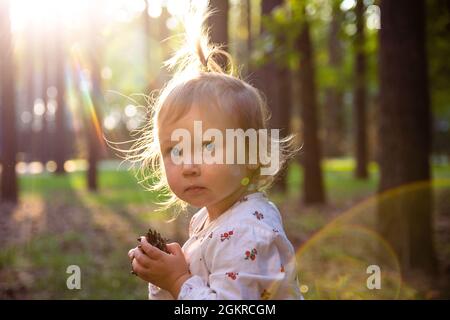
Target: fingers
[[136, 268], [174, 248], [131, 254], [141, 265], [142, 259], [151, 251]]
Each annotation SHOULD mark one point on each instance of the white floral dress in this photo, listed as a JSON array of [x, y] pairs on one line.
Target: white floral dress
[[242, 254]]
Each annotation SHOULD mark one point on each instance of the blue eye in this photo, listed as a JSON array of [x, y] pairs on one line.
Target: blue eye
[[175, 151], [209, 146]]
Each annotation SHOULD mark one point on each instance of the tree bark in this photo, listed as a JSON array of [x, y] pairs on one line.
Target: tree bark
[[269, 69], [334, 113], [27, 138], [405, 217], [9, 192], [248, 16], [44, 148], [360, 102], [312, 183], [277, 92], [146, 26], [60, 123], [219, 22], [95, 135], [281, 119]]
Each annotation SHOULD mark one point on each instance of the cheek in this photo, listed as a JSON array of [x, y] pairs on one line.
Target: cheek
[[172, 175], [236, 171], [232, 174]]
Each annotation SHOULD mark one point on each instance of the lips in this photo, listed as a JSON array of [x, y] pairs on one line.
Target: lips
[[194, 189]]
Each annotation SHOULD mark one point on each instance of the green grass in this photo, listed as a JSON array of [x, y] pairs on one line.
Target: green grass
[[340, 184], [42, 263]]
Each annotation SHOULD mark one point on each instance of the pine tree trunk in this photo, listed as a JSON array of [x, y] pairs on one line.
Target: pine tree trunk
[[360, 94], [248, 16], [269, 69], [60, 124], [219, 22], [44, 148], [146, 26], [274, 81], [334, 113], [312, 183], [8, 187], [95, 135], [405, 217], [28, 137], [281, 119]]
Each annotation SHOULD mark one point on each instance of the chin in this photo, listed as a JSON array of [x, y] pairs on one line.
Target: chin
[[204, 202], [197, 203]]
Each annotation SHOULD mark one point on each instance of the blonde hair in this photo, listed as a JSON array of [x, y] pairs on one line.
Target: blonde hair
[[199, 79]]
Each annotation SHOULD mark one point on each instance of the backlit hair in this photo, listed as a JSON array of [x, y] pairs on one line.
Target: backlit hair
[[202, 79]]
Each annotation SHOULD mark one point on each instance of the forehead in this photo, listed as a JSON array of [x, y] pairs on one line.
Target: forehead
[[213, 118]]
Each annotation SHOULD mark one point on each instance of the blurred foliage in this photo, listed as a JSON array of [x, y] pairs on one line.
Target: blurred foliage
[[439, 50]]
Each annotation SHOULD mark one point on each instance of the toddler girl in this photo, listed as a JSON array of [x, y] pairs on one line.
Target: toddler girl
[[237, 248]]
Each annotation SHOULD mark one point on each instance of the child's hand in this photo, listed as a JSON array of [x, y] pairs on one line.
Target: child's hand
[[167, 271]]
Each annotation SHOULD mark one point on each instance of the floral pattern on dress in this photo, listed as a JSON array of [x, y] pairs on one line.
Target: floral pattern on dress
[[232, 275], [258, 215], [226, 235], [223, 269], [251, 254]]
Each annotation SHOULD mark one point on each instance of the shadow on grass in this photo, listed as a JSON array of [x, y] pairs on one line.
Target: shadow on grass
[[58, 224]]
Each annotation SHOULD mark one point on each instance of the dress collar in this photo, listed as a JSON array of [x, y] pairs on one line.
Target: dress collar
[[206, 224]]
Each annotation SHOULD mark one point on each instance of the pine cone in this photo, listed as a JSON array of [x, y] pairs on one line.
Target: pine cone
[[156, 240]]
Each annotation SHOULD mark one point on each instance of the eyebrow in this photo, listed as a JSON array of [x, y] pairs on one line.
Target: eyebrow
[[169, 141], [167, 144]]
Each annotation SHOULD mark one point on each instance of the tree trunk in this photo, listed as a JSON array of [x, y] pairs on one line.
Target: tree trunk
[[44, 148], [269, 69], [60, 123], [8, 187], [360, 94], [248, 16], [25, 143], [334, 113], [218, 22], [312, 183], [281, 119], [35, 32], [95, 135], [405, 217], [277, 91], [147, 50]]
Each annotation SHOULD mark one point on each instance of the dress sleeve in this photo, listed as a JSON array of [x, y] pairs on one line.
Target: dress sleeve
[[245, 262], [156, 293]]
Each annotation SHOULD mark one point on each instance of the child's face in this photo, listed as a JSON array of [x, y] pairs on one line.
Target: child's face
[[219, 184]]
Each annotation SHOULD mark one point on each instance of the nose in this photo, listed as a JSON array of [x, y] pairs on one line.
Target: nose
[[191, 169]]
